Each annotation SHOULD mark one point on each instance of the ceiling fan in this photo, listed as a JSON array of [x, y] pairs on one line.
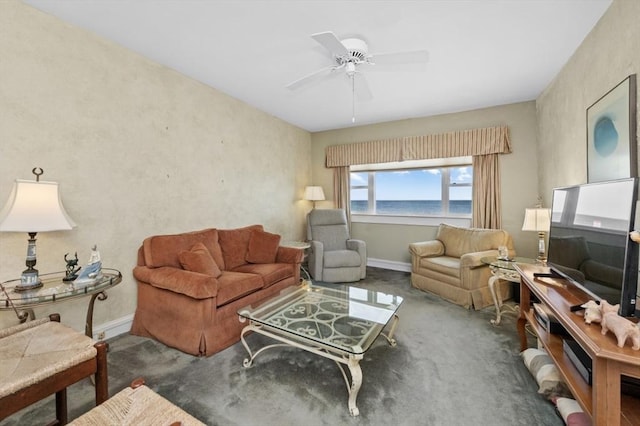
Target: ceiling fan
[[351, 57]]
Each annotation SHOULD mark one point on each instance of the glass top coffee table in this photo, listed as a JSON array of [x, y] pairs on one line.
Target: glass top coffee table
[[340, 324]]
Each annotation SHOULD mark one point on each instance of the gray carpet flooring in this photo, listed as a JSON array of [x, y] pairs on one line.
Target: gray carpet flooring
[[450, 367]]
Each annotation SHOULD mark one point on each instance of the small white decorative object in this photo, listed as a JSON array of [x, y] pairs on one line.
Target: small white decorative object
[[620, 326], [592, 312], [95, 255], [92, 272]]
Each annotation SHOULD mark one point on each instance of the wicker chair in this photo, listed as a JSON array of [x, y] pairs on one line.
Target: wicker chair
[[43, 357]]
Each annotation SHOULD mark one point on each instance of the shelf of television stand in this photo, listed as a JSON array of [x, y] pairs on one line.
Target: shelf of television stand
[[605, 406]]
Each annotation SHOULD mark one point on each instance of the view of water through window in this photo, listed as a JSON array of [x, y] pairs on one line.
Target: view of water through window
[[416, 192]]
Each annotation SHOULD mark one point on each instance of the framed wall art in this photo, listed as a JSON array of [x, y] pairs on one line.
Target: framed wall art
[[611, 134]]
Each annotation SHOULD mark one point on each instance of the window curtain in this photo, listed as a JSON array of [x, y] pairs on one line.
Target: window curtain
[[486, 192], [341, 190], [484, 145]]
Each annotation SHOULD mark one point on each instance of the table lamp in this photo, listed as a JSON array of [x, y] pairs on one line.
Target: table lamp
[[539, 220], [314, 193], [33, 207]]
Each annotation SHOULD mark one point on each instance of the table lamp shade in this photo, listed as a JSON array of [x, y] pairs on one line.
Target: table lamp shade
[[537, 219], [34, 207], [314, 193]]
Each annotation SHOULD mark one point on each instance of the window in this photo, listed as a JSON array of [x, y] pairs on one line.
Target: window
[[412, 191]]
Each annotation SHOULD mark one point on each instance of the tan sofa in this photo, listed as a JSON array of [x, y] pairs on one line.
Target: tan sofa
[[191, 285], [450, 265]]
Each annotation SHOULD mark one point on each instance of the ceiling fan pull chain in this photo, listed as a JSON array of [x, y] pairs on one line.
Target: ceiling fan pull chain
[[353, 98]]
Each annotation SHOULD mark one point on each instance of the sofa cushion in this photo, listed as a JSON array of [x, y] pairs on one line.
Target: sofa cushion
[[458, 241], [271, 273], [234, 285], [198, 259], [163, 250], [234, 244], [263, 247]]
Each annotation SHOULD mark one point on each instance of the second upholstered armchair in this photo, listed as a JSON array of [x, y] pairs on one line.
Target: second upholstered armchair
[[334, 256]]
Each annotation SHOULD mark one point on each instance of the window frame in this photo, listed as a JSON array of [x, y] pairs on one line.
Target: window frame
[[445, 166]]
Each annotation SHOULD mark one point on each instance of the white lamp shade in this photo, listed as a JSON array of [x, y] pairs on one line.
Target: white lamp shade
[[314, 193], [34, 207], [538, 219]]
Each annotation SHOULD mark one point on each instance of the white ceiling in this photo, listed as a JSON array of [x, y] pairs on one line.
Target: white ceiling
[[481, 52]]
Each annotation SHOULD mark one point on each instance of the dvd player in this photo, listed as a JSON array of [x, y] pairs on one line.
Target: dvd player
[[581, 360], [547, 320]]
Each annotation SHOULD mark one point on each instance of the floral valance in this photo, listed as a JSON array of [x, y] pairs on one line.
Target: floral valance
[[490, 140]]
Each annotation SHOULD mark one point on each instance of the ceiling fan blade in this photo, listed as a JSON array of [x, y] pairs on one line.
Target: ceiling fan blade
[[361, 87], [331, 43], [310, 78], [409, 61]]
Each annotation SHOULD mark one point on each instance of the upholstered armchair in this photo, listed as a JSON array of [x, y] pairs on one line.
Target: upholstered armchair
[[451, 266], [334, 256]]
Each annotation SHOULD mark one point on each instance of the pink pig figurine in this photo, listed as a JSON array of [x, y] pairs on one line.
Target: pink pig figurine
[[621, 327], [592, 312]]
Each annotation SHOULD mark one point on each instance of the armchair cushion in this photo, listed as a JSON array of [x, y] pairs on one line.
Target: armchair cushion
[[263, 247], [341, 258], [198, 259], [458, 241]]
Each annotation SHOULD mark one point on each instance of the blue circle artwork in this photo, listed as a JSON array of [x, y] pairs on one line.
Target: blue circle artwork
[[605, 136]]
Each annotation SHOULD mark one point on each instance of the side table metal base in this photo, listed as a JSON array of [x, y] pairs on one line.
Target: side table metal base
[[497, 300]]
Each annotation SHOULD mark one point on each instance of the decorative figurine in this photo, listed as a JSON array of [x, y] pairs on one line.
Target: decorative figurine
[[620, 326], [95, 255], [592, 312], [90, 273], [72, 268]]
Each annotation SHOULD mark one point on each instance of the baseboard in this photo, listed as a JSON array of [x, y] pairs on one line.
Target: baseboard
[[389, 264], [113, 328]]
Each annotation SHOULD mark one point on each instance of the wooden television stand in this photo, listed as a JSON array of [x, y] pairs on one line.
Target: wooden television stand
[[603, 400]]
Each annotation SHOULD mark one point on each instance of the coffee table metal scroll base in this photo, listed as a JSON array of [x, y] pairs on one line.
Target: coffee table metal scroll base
[[352, 361]]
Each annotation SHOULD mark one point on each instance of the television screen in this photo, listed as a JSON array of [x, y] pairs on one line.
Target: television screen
[[589, 239]]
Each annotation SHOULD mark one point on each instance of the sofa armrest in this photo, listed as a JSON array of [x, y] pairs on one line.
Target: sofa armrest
[[427, 248], [289, 255], [192, 284], [473, 260]]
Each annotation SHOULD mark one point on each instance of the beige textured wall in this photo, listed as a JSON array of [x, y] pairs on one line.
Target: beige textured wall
[[518, 172], [137, 148], [607, 56]]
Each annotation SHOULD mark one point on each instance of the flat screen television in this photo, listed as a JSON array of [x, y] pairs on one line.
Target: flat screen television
[[589, 240]]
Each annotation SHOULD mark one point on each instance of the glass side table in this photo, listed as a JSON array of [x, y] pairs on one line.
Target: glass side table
[[502, 269], [53, 290]]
